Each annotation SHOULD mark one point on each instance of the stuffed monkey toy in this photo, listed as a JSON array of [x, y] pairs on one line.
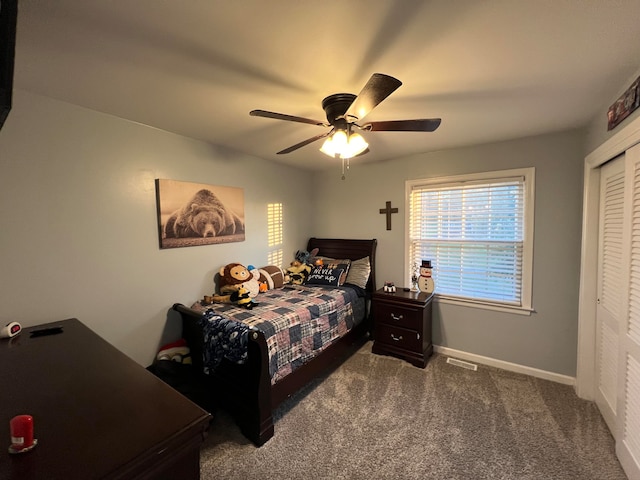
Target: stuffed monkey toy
[[238, 285]]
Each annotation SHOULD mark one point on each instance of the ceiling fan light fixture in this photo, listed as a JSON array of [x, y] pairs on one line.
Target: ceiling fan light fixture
[[339, 140], [339, 145], [355, 146], [328, 148]]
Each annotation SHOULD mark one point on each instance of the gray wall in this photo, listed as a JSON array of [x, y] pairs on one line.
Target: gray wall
[[80, 238], [78, 214], [547, 338]]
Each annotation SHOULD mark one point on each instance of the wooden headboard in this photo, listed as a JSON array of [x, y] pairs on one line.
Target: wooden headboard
[[348, 248]]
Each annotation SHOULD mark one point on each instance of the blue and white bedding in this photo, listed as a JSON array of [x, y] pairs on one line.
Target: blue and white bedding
[[298, 323]]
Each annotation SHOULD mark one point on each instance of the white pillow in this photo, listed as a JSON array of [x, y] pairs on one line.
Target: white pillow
[[359, 271]]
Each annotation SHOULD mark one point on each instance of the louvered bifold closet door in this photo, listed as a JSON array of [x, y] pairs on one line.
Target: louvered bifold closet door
[[610, 282], [628, 431]]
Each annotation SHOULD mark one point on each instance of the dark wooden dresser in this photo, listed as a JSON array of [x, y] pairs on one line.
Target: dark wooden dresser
[[96, 413], [402, 325]]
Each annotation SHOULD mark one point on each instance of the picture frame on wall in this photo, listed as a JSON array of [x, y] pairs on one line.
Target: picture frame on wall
[[624, 105], [193, 214]]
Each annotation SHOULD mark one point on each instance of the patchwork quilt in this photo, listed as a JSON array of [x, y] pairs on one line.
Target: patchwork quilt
[[298, 323]]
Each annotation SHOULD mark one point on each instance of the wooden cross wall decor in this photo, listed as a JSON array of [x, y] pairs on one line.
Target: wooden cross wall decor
[[388, 211]]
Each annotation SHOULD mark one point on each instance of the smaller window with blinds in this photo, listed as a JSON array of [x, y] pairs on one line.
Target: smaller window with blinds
[[274, 224], [274, 234], [477, 231]]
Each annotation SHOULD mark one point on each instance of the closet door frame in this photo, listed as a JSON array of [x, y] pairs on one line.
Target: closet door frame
[[586, 381]]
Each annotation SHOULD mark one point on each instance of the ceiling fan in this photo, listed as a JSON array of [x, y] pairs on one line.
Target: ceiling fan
[[345, 112]]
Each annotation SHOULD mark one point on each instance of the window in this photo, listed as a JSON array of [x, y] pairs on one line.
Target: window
[[274, 233], [477, 230]]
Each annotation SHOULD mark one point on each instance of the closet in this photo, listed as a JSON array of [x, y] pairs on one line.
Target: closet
[[628, 408], [608, 361]]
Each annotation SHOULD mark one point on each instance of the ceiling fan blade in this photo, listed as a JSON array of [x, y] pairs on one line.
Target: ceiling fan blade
[[305, 142], [289, 118], [420, 125], [379, 87]]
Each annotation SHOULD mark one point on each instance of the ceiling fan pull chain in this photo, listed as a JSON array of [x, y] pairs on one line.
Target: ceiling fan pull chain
[[343, 167]]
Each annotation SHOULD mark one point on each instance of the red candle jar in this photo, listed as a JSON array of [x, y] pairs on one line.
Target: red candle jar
[[21, 432]]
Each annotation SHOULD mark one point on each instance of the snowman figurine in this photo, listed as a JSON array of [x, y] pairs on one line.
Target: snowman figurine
[[425, 282]]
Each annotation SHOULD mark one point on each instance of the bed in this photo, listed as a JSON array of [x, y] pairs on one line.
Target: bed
[[251, 390]]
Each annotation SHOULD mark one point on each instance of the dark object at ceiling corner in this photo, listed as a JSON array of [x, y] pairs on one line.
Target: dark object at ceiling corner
[[8, 21]]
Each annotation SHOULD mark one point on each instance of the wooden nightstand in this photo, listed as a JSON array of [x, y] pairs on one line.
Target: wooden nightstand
[[402, 325]]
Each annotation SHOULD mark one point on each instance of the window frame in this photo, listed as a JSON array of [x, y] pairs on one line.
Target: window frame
[[528, 174]]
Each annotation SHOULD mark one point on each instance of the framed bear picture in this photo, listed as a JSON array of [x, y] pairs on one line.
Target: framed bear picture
[[193, 214]]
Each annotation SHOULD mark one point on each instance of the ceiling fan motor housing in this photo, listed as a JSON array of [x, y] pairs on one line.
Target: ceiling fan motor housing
[[335, 106]]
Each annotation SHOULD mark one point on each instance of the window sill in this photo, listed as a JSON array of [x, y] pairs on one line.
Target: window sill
[[517, 310]]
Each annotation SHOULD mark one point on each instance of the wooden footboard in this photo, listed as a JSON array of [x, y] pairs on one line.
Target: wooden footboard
[[243, 390]]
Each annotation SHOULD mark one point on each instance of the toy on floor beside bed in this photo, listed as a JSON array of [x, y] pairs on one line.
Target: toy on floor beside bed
[[177, 351]]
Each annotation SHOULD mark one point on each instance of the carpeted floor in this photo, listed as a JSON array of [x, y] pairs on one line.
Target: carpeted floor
[[378, 417]]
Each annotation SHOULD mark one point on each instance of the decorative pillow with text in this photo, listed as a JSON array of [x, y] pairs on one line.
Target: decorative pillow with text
[[358, 270], [330, 275]]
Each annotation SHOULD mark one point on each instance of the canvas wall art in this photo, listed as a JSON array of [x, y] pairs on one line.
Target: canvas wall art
[[192, 214]]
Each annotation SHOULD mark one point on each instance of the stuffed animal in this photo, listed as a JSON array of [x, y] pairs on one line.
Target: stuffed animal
[[239, 297], [238, 285], [233, 275], [314, 259], [300, 268], [242, 298], [177, 351], [253, 284]]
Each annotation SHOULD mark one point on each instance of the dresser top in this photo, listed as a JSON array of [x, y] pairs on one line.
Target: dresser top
[[95, 411]]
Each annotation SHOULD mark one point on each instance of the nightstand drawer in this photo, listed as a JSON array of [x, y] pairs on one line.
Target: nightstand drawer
[[398, 337], [399, 316]]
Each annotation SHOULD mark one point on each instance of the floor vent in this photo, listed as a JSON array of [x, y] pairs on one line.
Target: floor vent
[[463, 364]]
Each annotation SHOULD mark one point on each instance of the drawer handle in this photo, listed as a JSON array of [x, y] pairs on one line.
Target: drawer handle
[[396, 339], [399, 317]]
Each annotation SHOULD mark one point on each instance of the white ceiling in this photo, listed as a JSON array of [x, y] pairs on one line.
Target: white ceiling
[[491, 69]]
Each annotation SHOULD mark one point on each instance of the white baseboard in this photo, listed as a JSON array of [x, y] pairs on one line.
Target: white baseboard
[[512, 367]]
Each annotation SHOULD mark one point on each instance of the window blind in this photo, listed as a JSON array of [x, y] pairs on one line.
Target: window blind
[[474, 235], [275, 233], [274, 224]]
